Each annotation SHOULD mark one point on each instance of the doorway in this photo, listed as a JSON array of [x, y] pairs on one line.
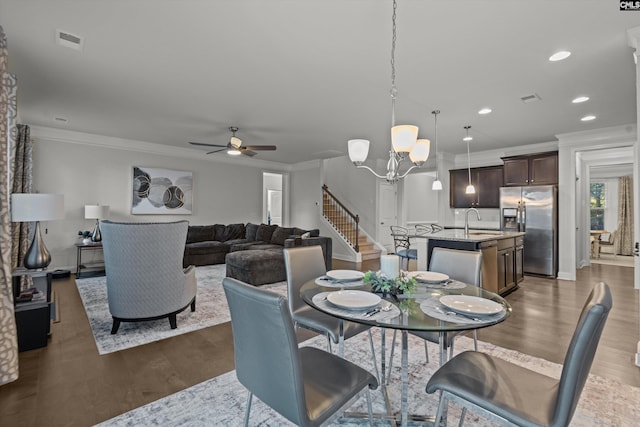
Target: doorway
[[273, 200]]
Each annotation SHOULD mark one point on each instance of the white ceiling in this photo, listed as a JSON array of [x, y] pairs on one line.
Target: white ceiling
[[309, 75]]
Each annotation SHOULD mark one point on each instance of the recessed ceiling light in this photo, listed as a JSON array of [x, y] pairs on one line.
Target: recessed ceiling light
[[485, 110], [559, 56], [580, 99], [588, 118]]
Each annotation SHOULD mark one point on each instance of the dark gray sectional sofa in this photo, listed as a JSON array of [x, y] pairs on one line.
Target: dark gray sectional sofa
[[252, 252]]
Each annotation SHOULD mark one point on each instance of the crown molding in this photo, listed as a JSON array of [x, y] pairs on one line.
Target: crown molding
[[101, 141], [605, 137]]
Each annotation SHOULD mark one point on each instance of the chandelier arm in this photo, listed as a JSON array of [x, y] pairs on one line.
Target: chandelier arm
[[372, 171], [407, 172]]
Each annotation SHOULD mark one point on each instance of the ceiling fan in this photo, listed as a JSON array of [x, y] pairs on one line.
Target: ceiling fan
[[234, 147]]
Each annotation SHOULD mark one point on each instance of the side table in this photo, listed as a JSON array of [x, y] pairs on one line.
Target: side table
[[93, 269], [33, 318]]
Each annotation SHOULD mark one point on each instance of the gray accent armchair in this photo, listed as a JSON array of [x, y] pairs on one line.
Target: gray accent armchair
[[307, 386], [513, 395], [145, 278]]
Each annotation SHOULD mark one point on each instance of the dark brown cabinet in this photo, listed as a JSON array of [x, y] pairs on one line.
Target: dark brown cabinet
[[534, 169], [486, 180], [519, 259], [506, 265]]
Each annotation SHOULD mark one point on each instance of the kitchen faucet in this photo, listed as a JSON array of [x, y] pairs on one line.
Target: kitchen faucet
[[466, 219]]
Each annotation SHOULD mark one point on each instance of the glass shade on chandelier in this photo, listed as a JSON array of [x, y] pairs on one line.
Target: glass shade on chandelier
[[96, 212], [34, 207]]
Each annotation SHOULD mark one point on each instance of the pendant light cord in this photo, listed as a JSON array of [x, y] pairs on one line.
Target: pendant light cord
[[394, 90], [435, 119]]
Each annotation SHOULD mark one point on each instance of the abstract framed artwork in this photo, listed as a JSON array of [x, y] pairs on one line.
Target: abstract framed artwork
[[161, 191]]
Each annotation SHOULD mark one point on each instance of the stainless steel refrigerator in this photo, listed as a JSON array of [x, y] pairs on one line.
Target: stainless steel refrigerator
[[533, 210]]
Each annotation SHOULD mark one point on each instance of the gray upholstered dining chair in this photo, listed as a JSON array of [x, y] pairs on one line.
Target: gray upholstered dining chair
[[402, 244], [307, 263], [145, 277], [464, 266], [514, 395], [307, 386]]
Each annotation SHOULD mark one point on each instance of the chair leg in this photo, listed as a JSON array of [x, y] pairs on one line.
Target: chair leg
[[464, 412], [373, 356], [369, 408], [393, 347], [475, 340], [426, 351], [173, 321], [441, 407], [247, 410], [193, 305], [114, 328], [329, 344]]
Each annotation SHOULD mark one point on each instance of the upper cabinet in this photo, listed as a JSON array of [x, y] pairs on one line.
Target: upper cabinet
[[534, 169], [487, 182]]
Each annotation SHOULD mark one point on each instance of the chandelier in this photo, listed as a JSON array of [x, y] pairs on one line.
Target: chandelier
[[404, 138]]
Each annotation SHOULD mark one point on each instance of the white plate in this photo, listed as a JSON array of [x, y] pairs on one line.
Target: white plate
[[467, 304], [345, 275], [353, 300], [429, 276]]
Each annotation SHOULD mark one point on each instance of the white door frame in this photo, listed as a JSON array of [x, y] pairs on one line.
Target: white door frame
[[383, 235]]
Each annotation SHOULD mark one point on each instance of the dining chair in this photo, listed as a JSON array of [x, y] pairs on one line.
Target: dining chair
[[422, 229], [402, 245], [464, 266], [514, 395], [307, 386], [307, 263]]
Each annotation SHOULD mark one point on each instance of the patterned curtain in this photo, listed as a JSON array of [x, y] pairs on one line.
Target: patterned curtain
[[623, 244], [22, 173], [8, 114]]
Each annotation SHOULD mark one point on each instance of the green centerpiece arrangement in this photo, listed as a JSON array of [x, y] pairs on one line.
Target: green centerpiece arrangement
[[403, 284]]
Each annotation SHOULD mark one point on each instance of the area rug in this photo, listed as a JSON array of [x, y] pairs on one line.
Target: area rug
[[221, 400], [211, 309]]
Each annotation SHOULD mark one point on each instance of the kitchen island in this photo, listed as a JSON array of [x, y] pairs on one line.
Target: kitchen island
[[502, 254]]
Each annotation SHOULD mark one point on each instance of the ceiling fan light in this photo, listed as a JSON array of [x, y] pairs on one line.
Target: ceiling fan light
[[358, 150], [403, 138], [235, 141], [233, 152], [420, 151]]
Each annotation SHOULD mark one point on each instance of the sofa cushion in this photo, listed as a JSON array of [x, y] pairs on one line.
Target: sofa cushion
[[264, 247], [281, 234], [211, 246], [241, 245], [234, 231], [220, 231], [265, 232], [250, 231], [200, 233]]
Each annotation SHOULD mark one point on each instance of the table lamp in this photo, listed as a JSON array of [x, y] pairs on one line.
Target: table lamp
[[96, 212], [30, 207]]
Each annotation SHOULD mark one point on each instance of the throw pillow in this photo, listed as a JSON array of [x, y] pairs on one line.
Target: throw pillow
[[315, 232], [220, 232], [200, 233], [234, 231], [265, 232], [250, 231], [281, 234]]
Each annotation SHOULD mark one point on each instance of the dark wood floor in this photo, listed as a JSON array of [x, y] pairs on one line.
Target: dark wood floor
[[68, 384]]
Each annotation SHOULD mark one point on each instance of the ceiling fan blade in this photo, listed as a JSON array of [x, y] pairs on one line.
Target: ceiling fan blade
[[206, 145], [261, 147], [216, 151], [248, 152]]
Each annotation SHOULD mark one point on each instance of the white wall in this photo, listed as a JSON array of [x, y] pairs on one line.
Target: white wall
[[88, 174], [306, 197]]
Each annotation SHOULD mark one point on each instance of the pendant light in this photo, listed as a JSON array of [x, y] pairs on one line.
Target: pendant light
[[470, 188], [437, 184]]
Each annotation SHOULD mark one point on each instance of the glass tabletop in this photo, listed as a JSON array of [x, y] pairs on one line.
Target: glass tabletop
[[412, 314]]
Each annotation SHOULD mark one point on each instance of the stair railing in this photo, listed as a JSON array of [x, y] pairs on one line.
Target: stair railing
[[343, 220]]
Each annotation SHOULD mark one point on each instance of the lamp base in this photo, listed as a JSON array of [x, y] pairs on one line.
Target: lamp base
[[37, 256], [96, 236]]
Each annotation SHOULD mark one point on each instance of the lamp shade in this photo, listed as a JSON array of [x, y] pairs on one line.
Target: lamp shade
[[30, 207], [96, 211], [403, 138], [358, 150], [420, 152], [470, 189], [437, 185]]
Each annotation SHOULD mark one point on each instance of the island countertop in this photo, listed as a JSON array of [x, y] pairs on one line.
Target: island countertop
[[473, 235]]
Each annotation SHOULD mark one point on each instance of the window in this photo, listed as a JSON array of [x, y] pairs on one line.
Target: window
[[598, 205]]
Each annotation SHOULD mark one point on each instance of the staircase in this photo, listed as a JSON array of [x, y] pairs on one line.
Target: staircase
[[346, 224]]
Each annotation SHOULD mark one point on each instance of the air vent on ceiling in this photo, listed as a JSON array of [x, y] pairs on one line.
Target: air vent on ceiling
[[61, 120], [66, 39], [534, 97]]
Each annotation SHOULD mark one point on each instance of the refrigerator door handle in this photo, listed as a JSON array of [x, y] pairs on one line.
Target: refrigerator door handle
[[523, 217]]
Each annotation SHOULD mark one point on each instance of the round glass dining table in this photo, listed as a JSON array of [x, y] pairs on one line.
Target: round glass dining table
[[420, 311]]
